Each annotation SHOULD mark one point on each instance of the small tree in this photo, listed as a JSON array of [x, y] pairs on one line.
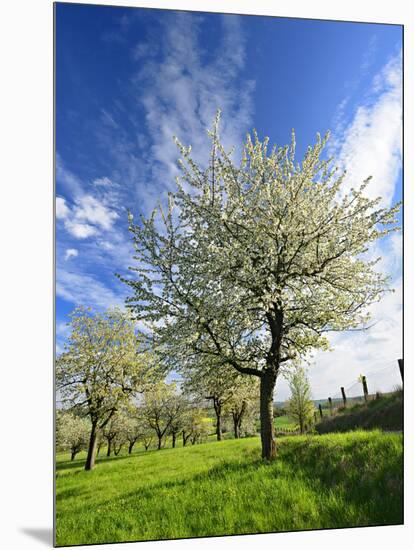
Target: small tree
[[134, 429], [254, 262], [177, 413], [205, 381], [244, 395], [147, 437], [72, 432], [116, 432], [161, 408], [300, 405], [100, 368], [196, 426]]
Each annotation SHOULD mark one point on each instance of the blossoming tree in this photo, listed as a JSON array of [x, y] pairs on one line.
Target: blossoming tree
[[254, 262], [100, 369]]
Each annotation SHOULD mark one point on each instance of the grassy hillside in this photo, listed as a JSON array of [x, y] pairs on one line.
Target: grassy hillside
[[338, 480], [385, 413]]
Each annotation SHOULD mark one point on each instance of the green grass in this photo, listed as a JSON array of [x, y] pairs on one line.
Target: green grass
[[284, 422], [336, 480], [385, 413]]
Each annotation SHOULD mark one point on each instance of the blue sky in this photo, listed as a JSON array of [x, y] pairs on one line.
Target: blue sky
[[127, 80]]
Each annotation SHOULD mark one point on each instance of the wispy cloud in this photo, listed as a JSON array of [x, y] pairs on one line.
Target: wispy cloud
[[370, 144], [84, 289], [104, 181], [182, 87]]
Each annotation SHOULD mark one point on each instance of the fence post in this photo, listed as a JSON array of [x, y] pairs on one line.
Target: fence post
[[320, 410], [401, 365], [365, 388], [330, 405], [343, 396]]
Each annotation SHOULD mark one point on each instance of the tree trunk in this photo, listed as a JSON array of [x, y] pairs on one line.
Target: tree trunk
[[184, 439], [239, 424], [174, 435], [131, 446], [217, 409], [267, 432], [236, 426], [99, 447], [90, 459], [73, 454], [218, 427], [159, 442], [108, 452]]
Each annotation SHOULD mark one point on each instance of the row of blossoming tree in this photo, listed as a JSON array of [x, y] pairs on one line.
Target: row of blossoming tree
[[113, 392]]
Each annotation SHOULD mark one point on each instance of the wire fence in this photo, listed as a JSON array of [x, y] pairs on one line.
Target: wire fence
[[383, 378]]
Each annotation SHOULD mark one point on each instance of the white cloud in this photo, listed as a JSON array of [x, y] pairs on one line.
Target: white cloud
[[197, 86], [102, 181], [89, 214], [71, 253], [371, 143], [90, 209], [62, 329], [80, 230], [373, 351], [62, 210], [82, 289], [67, 179]]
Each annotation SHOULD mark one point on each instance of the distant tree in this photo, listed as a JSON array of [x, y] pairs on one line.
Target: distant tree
[[244, 396], [196, 426], [147, 437], [161, 408], [100, 368], [134, 428], [72, 432], [300, 405], [254, 262], [278, 411], [116, 432], [203, 380], [178, 410]]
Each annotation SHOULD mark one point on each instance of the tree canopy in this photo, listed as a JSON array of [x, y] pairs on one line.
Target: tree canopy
[[254, 262], [101, 367]]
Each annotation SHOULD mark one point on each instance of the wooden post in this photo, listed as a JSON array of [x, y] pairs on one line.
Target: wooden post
[[320, 410], [330, 405], [343, 396], [401, 365], [365, 388]]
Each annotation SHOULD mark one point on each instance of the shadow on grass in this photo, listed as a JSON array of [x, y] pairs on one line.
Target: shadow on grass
[[80, 462]]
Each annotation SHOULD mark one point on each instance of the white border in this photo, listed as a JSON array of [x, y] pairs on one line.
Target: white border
[[27, 275]]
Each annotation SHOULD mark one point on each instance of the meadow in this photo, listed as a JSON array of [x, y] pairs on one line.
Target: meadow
[[219, 488]]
